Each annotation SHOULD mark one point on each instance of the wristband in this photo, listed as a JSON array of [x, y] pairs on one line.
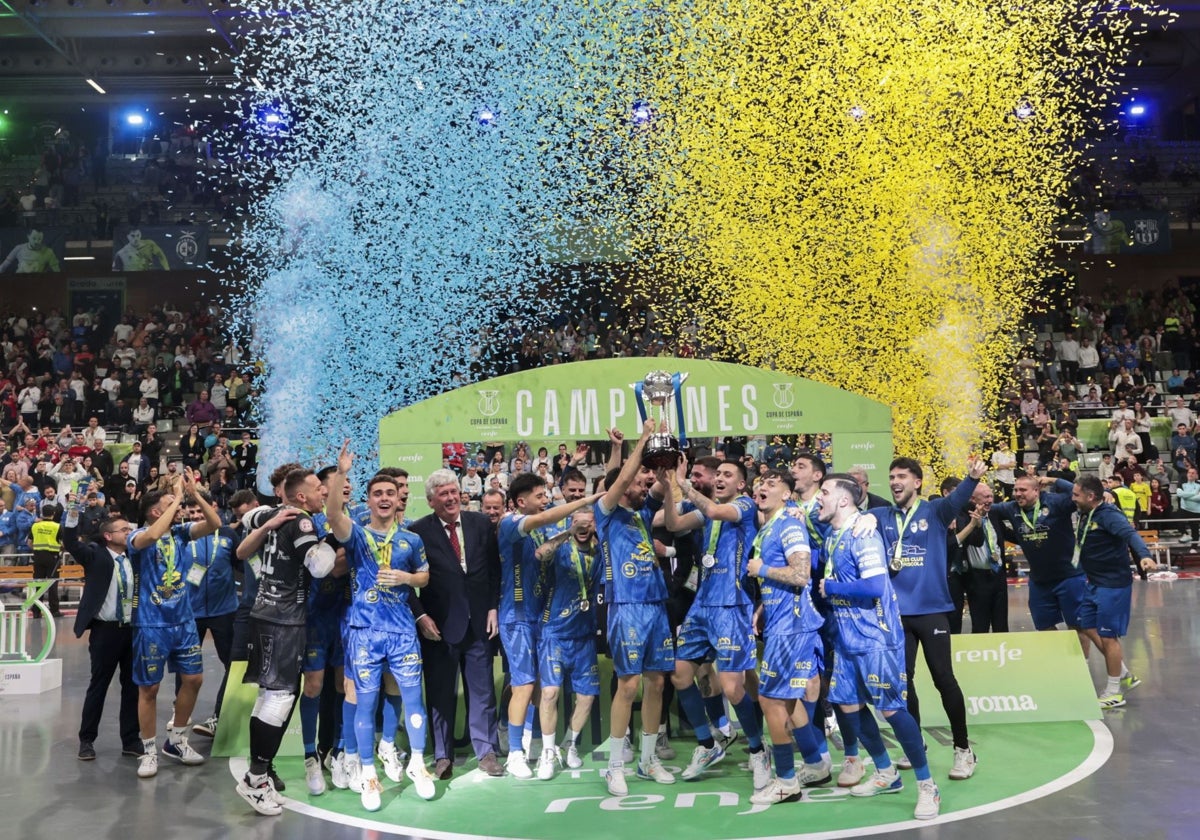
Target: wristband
[[670, 552]]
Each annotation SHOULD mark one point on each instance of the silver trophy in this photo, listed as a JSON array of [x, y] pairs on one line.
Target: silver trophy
[[663, 449]]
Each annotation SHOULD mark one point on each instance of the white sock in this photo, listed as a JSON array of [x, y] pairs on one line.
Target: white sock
[[726, 730], [417, 757], [1124, 669], [649, 742], [175, 734], [547, 742], [1114, 686], [662, 729], [616, 752], [572, 736], [257, 780], [368, 771], [150, 745]]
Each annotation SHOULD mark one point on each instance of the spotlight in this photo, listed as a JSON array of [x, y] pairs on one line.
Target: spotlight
[[642, 113], [135, 119], [1137, 110]]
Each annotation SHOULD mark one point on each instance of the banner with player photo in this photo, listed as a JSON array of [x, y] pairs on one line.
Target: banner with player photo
[[35, 250], [160, 248]]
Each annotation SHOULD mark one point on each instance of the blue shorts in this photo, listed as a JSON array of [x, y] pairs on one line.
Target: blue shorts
[[788, 664], [520, 648], [876, 677], [323, 641], [369, 650], [722, 634], [154, 648], [1050, 603], [1105, 609], [574, 658], [639, 639]]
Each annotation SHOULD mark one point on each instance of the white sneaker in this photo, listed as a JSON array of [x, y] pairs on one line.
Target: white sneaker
[[207, 727], [372, 793], [148, 765], [702, 758], [651, 768], [422, 779], [811, 775], [663, 748], [517, 766], [547, 764], [182, 752], [853, 770], [392, 767], [573, 759], [337, 771], [261, 797], [881, 781], [614, 776], [328, 762], [929, 800], [354, 774], [314, 777], [776, 791], [724, 739], [964, 764], [760, 769], [627, 750]]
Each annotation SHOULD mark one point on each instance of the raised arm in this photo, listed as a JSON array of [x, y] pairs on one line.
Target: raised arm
[[335, 515], [629, 470], [617, 438], [212, 519], [555, 514], [159, 527]]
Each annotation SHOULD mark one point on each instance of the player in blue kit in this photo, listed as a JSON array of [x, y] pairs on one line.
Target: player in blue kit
[[386, 563], [572, 575], [914, 532], [519, 535], [790, 673], [1103, 539], [639, 634], [164, 628], [718, 626], [870, 646]]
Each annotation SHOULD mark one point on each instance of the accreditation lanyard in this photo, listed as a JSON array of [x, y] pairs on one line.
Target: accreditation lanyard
[[641, 526], [124, 603], [197, 571], [756, 546], [901, 529], [993, 543], [583, 571], [382, 554], [166, 547], [1081, 538], [709, 560]]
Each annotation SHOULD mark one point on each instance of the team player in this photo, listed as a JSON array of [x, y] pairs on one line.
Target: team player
[[292, 555], [639, 634], [718, 626], [915, 533], [386, 563], [869, 667], [572, 575], [164, 629], [790, 673], [1103, 539], [520, 605]]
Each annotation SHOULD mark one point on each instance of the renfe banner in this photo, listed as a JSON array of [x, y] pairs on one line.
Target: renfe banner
[[579, 401], [1015, 678]]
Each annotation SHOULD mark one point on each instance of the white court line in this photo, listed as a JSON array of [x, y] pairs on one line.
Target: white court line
[[1102, 747]]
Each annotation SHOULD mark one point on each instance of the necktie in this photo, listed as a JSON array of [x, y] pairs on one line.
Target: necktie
[[122, 589], [452, 533]]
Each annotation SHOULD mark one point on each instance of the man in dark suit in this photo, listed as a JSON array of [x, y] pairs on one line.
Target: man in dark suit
[[105, 609], [870, 500], [456, 616], [982, 563]]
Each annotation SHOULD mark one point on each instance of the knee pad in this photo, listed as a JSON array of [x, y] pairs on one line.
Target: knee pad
[[273, 706]]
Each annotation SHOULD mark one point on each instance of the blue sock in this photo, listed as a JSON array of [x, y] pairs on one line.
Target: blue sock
[[364, 725], [414, 723], [745, 716], [393, 706], [908, 733], [693, 706], [714, 708], [349, 736], [817, 726], [309, 708], [515, 732], [849, 740], [785, 761], [807, 744], [868, 733]]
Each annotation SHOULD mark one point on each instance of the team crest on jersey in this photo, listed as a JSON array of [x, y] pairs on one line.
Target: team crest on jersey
[[924, 524], [306, 525], [913, 528]]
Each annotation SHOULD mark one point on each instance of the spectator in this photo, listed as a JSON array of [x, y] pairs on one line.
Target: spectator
[[1160, 501], [191, 447], [201, 412]]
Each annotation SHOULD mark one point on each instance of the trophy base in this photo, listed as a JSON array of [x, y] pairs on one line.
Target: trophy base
[[662, 452]]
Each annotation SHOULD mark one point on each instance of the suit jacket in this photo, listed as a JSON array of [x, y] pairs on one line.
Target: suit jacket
[[454, 598], [874, 501], [98, 568]]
